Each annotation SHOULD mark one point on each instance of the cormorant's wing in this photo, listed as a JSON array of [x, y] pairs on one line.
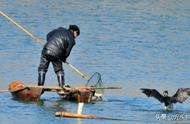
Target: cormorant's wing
[[181, 95], [153, 93]]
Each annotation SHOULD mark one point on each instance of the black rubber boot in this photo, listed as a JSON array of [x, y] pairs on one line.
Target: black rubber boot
[[41, 78], [60, 78]]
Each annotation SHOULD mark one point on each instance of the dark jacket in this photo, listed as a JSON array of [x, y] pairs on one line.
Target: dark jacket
[[59, 43]]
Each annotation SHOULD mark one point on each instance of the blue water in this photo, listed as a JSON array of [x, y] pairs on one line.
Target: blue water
[[132, 43]]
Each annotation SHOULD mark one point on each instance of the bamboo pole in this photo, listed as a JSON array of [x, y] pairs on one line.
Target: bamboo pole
[[67, 88], [55, 89], [3, 91], [73, 115], [83, 75], [22, 28]]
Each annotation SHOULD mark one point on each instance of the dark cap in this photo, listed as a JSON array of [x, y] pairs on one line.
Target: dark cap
[[75, 28]]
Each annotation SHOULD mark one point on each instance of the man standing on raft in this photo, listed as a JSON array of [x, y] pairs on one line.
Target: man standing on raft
[[58, 47]]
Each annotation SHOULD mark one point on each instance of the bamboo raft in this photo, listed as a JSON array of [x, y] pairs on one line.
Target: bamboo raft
[[81, 94], [33, 93]]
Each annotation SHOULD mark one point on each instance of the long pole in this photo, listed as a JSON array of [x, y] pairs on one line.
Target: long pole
[[41, 43], [83, 75], [22, 28], [2, 91], [81, 116]]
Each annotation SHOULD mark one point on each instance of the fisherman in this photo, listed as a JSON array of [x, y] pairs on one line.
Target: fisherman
[[56, 50]]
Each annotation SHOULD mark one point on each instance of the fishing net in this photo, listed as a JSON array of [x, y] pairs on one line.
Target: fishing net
[[96, 81]]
